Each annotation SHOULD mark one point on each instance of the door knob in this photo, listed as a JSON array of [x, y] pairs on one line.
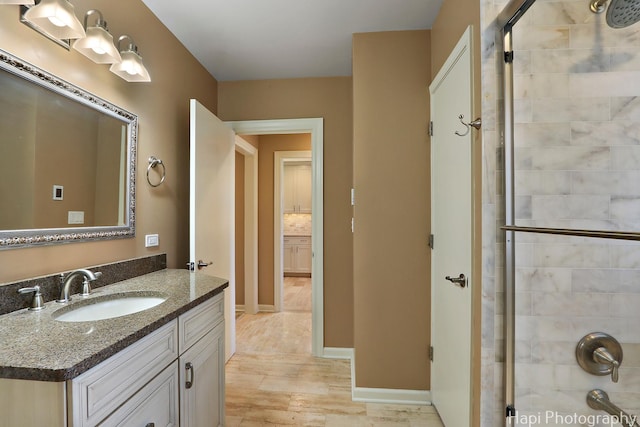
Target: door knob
[[461, 280]]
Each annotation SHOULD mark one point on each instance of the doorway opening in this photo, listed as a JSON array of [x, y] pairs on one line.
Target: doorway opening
[[293, 216], [314, 127]]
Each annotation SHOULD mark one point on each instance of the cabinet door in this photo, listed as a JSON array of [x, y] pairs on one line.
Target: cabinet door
[[202, 381], [155, 404], [303, 188], [288, 261], [303, 259], [297, 189], [289, 202]]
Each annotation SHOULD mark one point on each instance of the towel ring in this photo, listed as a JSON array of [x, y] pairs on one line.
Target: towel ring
[[153, 162]]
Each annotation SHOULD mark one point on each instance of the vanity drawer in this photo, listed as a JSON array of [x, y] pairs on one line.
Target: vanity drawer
[[156, 404], [195, 323], [99, 391]]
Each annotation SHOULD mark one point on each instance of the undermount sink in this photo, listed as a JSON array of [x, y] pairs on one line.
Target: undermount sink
[[108, 307]]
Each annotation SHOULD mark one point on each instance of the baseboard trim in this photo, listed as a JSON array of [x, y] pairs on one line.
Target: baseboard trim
[[386, 395], [240, 307], [338, 353], [393, 396], [265, 308]]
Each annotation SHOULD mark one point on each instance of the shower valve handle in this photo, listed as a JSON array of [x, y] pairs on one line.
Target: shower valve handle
[[602, 355]]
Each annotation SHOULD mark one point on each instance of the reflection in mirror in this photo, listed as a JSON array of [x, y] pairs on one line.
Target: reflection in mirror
[[67, 161]]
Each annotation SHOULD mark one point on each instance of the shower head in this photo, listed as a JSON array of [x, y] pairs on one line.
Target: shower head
[[620, 13]]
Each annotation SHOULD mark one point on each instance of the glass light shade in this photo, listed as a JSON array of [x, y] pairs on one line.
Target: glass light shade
[[98, 46], [56, 18], [131, 68]]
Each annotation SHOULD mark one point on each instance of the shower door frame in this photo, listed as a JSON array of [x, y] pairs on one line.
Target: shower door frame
[[509, 16]]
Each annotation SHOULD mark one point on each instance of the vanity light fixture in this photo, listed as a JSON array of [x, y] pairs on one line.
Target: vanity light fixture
[[98, 44], [131, 68], [55, 18]]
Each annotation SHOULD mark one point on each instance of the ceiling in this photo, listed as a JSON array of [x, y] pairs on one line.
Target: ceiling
[[273, 39]]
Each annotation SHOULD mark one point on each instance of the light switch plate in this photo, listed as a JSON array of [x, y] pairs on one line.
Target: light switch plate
[[151, 240]]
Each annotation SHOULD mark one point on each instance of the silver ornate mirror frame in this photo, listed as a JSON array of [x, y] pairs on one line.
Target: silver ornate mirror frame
[[32, 237]]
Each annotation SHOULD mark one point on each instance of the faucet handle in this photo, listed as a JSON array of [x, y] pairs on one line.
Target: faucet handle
[[37, 303], [599, 354], [86, 288], [602, 355], [86, 284]]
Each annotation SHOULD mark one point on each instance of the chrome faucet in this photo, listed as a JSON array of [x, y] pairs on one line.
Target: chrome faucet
[[65, 283]]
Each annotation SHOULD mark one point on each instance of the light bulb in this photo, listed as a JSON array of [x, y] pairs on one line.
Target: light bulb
[[56, 21]]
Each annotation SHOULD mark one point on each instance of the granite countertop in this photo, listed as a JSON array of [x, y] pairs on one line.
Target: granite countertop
[[296, 235], [34, 346]]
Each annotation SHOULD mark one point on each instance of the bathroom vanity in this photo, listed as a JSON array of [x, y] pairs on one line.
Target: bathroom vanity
[[163, 366]]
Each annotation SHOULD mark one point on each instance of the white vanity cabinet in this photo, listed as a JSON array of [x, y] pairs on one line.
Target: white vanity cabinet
[[172, 377], [297, 254]]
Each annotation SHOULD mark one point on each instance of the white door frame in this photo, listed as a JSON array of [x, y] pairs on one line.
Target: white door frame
[[250, 154], [279, 160], [314, 126]]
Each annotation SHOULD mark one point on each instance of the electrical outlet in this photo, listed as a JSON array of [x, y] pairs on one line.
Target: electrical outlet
[[151, 240]]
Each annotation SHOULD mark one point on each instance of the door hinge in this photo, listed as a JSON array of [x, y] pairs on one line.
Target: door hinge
[[431, 238], [431, 353], [508, 57], [191, 266], [431, 128]]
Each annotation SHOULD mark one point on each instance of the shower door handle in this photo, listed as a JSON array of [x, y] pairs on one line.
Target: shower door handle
[[461, 280]]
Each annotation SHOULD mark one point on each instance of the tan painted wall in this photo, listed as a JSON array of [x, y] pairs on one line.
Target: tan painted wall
[[391, 74], [454, 17], [162, 109], [330, 98]]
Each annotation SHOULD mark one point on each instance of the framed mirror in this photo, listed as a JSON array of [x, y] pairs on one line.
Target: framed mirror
[[67, 161]]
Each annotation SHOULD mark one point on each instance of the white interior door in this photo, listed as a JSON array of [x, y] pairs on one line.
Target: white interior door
[[211, 207], [451, 225]]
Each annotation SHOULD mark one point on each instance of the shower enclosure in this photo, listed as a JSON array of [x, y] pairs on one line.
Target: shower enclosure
[[571, 220]]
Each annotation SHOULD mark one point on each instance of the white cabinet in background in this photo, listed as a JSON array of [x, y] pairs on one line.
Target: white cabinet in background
[[297, 188], [297, 254]]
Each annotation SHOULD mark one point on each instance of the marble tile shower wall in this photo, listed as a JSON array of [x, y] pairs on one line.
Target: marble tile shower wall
[[577, 133]]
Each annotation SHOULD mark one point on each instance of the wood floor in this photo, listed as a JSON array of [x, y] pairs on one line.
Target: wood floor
[[273, 379]]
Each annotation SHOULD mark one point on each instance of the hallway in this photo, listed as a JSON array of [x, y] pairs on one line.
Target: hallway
[[273, 379]]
